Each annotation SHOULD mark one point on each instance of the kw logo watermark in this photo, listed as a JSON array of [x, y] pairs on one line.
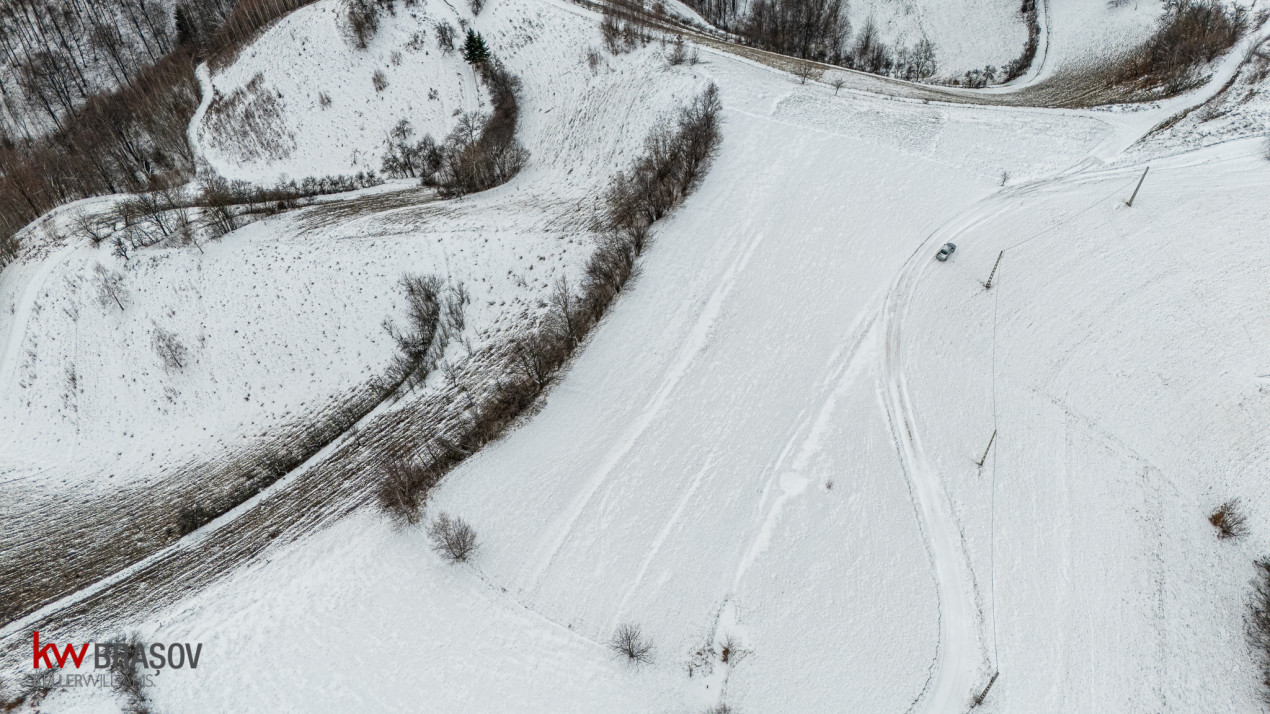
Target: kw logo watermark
[[120, 655]]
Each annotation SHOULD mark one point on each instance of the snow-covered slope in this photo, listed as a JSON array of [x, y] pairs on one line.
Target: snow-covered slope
[[303, 101], [772, 439]]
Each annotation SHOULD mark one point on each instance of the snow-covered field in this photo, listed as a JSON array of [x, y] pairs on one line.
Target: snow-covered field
[[772, 439]]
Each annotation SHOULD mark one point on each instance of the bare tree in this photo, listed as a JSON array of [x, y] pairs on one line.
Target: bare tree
[[110, 287], [169, 348], [452, 538], [804, 71], [567, 314], [629, 642], [95, 232], [837, 84], [445, 36]]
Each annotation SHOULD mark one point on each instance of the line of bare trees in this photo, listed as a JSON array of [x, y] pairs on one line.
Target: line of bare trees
[[480, 153], [676, 156], [1190, 34]]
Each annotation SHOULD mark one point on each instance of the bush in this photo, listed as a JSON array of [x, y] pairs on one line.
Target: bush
[[379, 80], [452, 538], [126, 672], [629, 642], [191, 518], [1191, 33], [404, 487], [169, 349], [1258, 623], [1229, 520], [445, 36], [363, 21]]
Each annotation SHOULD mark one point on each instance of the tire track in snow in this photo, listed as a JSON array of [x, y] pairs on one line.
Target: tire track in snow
[[693, 345], [960, 655], [808, 440]]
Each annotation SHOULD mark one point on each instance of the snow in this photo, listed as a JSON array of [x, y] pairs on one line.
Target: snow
[[772, 438], [309, 54]]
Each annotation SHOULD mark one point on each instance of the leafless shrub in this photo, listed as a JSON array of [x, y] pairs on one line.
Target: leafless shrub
[[1258, 623], [1190, 34], [567, 316], [403, 489], [719, 708], [837, 83], [497, 408], [476, 5], [804, 71], [415, 341], [678, 54], [732, 652], [379, 80], [192, 517], [363, 21], [169, 349], [445, 36], [110, 287], [1229, 520], [324, 100], [452, 538], [456, 302], [593, 60], [536, 356], [629, 642], [127, 653]]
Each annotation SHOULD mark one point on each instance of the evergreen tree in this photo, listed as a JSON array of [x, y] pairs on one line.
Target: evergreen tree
[[474, 49]]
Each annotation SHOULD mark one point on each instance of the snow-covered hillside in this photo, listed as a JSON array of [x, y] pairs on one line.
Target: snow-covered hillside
[[879, 484], [304, 100]]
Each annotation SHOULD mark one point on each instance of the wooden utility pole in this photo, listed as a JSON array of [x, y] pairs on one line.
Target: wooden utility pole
[[988, 285], [979, 463], [1135, 188]]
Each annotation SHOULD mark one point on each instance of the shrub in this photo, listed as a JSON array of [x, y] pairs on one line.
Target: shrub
[[403, 489], [629, 642], [363, 21], [1258, 623], [127, 653], [379, 80], [452, 538], [191, 518], [169, 349], [1229, 520], [445, 36]]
